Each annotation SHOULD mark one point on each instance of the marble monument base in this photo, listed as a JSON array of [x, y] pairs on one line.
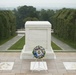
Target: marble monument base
[[27, 54]]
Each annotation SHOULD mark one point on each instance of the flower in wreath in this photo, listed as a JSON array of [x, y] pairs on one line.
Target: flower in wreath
[[39, 52]]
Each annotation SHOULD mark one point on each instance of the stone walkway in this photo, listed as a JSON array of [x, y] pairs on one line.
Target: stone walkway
[[61, 44], [9, 43], [22, 67]]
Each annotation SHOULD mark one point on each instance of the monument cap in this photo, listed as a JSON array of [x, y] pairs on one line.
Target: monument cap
[[38, 24]]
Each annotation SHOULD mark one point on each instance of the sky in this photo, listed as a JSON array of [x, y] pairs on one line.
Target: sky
[[46, 4]]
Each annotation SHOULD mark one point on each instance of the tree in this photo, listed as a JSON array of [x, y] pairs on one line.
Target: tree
[[7, 24], [24, 12], [64, 25], [30, 19]]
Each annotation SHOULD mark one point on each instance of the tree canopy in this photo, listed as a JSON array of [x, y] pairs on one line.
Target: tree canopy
[[7, 24], [64, 23], [25, 13]]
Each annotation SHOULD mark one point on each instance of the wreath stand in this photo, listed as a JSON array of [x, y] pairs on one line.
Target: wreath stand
[[38, 65]]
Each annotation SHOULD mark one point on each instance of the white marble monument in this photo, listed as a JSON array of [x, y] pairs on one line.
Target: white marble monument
[[37, 33]]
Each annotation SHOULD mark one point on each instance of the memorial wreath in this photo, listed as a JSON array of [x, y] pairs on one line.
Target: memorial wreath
[[39, 52]]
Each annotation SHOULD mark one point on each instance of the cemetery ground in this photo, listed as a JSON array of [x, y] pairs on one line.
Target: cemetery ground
[[5, 40], [19, 45], [57, 45], [5, 46], [22, 67]]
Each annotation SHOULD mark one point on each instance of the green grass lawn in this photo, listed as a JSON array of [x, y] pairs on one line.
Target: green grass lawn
[[55, 47], [5, 40], [19, 45]]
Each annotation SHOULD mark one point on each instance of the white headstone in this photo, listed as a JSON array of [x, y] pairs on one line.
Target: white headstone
[[37, 33]]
